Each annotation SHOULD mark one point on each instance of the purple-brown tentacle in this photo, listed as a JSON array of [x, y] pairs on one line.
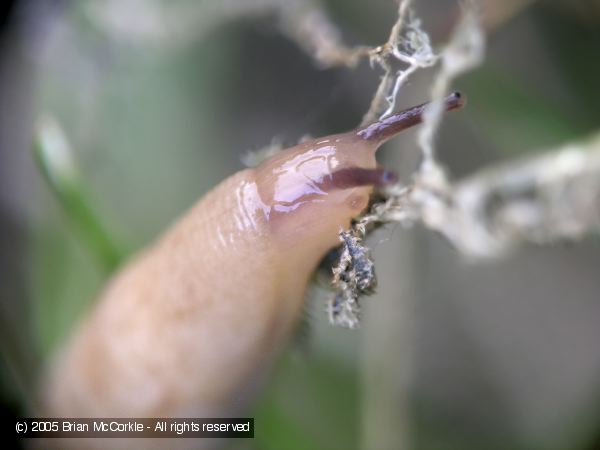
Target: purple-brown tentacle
[[384, 129], [357, 176]]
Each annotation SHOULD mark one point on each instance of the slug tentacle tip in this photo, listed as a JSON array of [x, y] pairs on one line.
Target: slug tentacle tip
[[455, 100]]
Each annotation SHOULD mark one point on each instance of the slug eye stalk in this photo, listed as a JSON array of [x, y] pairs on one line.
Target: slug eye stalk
[[356, 176], [384, 129], [379, 132]]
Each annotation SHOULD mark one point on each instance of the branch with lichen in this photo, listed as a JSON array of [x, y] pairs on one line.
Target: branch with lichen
[[305, 22], [540, 200], [409, 44], [166, 25]]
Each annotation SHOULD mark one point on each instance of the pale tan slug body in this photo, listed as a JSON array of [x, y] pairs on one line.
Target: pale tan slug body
[[189, 326]]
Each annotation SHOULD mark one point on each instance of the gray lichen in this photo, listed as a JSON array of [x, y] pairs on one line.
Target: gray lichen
[[353, 277]]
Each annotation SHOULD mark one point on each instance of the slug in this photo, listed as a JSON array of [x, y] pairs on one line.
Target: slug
[[191, 325]]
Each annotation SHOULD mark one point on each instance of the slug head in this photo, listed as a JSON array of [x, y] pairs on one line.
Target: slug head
[[315, 188]]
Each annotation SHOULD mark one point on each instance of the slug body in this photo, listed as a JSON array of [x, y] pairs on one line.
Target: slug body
[[189, 327]]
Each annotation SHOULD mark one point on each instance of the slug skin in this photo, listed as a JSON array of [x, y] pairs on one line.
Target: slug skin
[[190, 326]]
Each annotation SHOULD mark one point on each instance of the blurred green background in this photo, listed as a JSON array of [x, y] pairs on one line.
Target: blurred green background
[[160, 99]]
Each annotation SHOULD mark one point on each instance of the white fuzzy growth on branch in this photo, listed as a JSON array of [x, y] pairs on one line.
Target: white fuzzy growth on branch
[[540, 200], [407, 45], [552, 197], [537, 200]]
